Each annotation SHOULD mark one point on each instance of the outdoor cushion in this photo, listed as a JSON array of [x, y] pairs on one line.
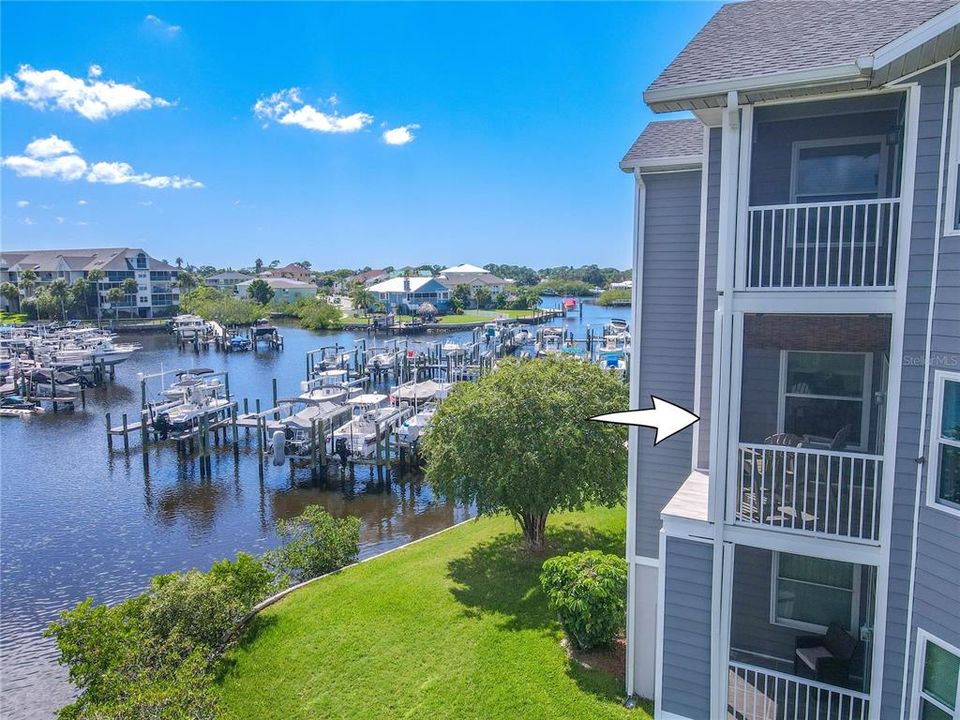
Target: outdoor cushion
[[811, 655]]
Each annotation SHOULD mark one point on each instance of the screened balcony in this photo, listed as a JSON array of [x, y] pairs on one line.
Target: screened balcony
[[824, 204], [809, 457], [801, 637]]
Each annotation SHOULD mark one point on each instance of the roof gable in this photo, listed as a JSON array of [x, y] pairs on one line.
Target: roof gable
[[668, 141]]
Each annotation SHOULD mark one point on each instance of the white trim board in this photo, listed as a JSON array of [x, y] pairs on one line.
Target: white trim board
[[940, 380]]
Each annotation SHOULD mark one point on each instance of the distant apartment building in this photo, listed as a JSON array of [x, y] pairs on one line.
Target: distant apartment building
[[406, 294], [284, 289], [293, 271], [157, 294], [796, 284], [226, 281]]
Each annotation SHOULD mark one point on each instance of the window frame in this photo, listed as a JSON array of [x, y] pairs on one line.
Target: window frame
[[806, 626], [923, 639], [865, 398], [950, 225], [940, 380], [799, 145]]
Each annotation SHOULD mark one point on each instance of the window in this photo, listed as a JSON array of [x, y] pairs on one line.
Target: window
[[937, 680], [809, 593], [825, 395], [951, 215], [837, 169], [943, 488]]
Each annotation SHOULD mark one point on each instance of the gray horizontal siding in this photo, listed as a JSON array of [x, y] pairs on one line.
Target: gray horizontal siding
[[909, 443], [688, 573], [936, 589], [667, 342]]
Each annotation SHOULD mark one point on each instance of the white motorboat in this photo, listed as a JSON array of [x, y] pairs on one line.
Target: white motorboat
[[412, 428], [359, 436]]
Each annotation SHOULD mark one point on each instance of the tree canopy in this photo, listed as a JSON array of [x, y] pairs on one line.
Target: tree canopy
[[519, 441], [259, 291]]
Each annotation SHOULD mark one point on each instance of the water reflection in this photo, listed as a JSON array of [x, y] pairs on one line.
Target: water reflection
[[77, 520]]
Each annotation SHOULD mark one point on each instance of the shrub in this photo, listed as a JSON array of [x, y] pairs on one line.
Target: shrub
[[205, 607], [588, 592], [317, 543], [151, 656]]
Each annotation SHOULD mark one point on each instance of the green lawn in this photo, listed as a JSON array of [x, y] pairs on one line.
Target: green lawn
[[452, 627]]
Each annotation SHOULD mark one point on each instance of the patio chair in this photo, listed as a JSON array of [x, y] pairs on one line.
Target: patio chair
[[826, 658], [837, 442]]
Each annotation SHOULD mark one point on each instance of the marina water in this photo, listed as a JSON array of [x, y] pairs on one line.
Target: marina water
[[77, 521]]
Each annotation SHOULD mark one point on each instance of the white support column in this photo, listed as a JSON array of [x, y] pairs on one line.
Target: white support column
[[730, 169]]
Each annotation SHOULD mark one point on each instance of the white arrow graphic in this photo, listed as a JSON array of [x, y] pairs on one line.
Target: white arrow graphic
[[667, 418]]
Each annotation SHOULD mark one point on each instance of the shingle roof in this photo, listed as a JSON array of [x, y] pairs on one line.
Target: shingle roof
[[763, 37], [85, 259], [396, 285], [464, 268], [452, 279], [281, 283], [666, 139]]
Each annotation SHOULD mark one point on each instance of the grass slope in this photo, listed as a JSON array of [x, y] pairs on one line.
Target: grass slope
[[452, 627]]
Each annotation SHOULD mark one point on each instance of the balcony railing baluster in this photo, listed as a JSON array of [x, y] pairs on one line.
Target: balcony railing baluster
[[840, 245], [823, 492]]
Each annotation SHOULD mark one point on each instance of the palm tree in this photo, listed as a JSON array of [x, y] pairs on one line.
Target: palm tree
[[360, 297], [26, 281], [114, 296], [482, 296], [59, 291], [95, 277], [10, 292], [179, 262], [80, 293], [186, 281], [258, 266]]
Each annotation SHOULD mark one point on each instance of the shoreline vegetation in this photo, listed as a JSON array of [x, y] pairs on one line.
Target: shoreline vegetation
[[453, 626], [615, 297]]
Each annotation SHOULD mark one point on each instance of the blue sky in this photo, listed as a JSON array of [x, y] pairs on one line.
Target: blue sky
[[518, 115]]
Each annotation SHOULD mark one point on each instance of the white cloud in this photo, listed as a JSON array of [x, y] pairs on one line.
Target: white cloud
[[27, 221], [22, 203], [90, 97], [400, 135], [120, 173], [81, 202], [286, 107], [60, 220], [162, 25], [50, 147], [53, 157], [146, 203]]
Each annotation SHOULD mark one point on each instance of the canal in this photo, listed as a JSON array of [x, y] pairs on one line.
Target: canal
[[77, 521]]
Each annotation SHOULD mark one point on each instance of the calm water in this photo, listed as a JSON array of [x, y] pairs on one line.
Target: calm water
[[78, 521]]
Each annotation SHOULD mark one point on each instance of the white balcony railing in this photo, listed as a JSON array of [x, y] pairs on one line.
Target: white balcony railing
[[825, 492], [755, 693], [825, 245]]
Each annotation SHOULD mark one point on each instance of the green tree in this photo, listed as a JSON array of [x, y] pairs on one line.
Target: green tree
[[95, 277], [258, 266], [114, 297], [463, 294], [80, 294], [129, 286], [10, 293], [518, 441], [260, 291], [59, 290], [317, 314], [482, 297], [178, 262], [361, 298], [26, 281], [186, 281]]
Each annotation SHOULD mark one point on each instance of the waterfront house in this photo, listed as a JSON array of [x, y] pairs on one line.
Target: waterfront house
[[284, 289], [293, 271], [157, 293], [367, 278], [406, 294], [475, 278], [797, 285], [226, 281]]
